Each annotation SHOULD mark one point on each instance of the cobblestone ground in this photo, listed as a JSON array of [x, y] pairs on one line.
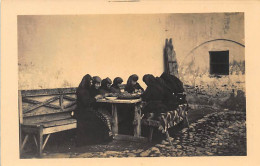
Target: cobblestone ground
[[216, 134]]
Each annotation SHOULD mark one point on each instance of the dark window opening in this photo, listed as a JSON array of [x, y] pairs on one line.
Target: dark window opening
[[219, 62]]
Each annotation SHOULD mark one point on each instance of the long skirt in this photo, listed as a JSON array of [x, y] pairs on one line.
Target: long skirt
[[94, 128]]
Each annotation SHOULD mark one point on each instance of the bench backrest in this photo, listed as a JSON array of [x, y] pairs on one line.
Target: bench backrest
[[43, 105]]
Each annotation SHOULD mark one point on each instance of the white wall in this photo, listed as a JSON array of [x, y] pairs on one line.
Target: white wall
[[57, 51]]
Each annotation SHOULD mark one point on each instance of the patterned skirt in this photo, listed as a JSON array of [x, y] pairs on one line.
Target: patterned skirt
[[106, 118]]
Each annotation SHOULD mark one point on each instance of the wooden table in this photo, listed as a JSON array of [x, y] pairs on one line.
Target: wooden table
[[137, 116]]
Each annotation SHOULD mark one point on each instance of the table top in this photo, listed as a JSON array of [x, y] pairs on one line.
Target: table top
[[118, 101]]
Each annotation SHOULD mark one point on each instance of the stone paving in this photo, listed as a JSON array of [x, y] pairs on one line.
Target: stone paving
[[216, 134]]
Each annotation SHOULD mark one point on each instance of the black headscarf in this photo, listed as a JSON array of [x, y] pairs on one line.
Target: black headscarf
[[116, 81], [85, 82], [104, 89], [176, 86], [131, 88], [149, 80], [105, 82], [133, 77], [173, 83], [154, 96], [154, 91], [115, 88]]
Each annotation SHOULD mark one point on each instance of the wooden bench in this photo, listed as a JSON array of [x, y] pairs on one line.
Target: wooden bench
[[156, 123], [43, 112]]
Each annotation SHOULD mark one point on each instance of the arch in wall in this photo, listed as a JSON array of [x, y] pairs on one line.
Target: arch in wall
[[213, 40]]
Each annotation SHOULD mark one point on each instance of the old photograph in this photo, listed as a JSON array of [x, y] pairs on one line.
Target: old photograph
[[131, 85]]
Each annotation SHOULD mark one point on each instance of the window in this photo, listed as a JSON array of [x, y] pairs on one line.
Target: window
[[219, 62]]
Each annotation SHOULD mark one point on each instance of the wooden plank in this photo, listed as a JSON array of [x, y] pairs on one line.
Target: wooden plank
[[41, 104], [122, 137], [33, 120], [48, 92], [40, 139], [58, 122], [35, 141], [38, 102], [70, 105], [69, 98], [45, 141], [59, 128], [119, 101], [115, 120], [47, 111], [24, 141]]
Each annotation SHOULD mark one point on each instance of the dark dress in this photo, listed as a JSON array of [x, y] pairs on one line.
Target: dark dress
[[92, 126], [115, 89]]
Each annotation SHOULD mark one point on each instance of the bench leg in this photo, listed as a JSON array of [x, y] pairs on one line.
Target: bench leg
[[45, 141], [40, 141], [35, 141], [24, 141], [151, 134]]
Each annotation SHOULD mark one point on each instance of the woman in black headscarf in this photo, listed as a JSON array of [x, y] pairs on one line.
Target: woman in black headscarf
[[105, 86], [92, 126], [154, 96], [132, 85], [115, 86], [176, 87]]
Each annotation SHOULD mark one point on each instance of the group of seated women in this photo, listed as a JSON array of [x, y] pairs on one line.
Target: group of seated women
[[162, 94]]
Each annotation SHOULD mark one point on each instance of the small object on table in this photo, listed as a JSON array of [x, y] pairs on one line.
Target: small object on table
[[111, 98]]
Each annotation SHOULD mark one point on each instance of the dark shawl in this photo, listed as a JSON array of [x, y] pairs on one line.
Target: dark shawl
[[115, 86], [131, 88], [154, 96], [84, 98], [176, 87]]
